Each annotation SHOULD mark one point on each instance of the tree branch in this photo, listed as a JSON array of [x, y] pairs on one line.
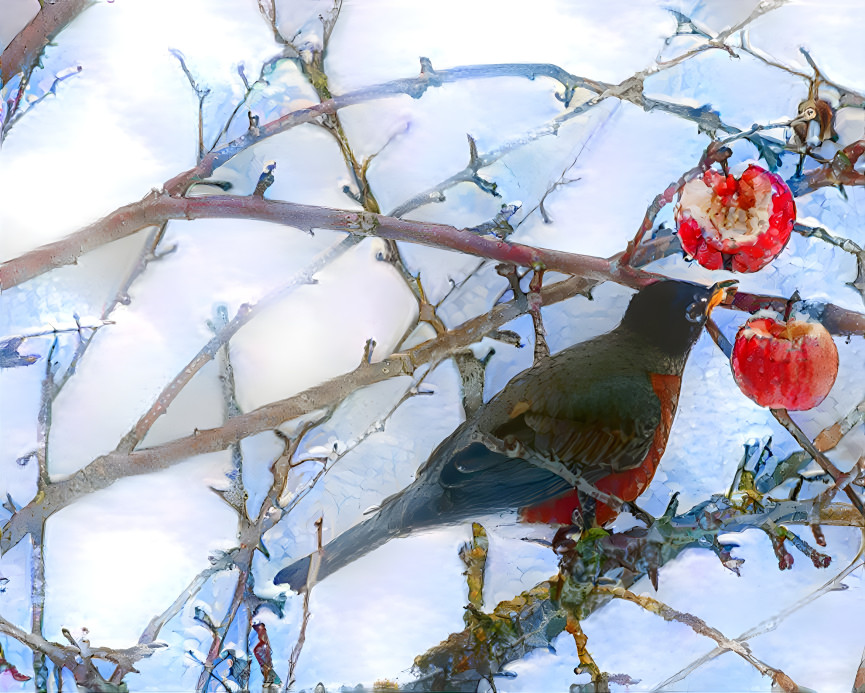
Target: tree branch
[[23, 52], [158, 208], [106, 469]]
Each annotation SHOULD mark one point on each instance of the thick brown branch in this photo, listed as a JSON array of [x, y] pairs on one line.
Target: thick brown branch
[[158, 208], [22, 54], [839, 321]]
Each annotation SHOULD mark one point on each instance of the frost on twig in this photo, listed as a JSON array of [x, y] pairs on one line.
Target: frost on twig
[[265, 180], [235, 495], [841, 170], [23, 55], [78, 656], [499, 226], [11, 358]]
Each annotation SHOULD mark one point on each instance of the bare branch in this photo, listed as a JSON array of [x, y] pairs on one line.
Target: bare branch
[[201, 93], [105, 470], [159, 208], [23, 52], [699, 626], [840, 171], [768, 624]]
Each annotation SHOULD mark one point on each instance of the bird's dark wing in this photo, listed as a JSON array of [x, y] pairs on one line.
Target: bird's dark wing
[[591, 407], [606, 427], [477, 480], [601, 432]]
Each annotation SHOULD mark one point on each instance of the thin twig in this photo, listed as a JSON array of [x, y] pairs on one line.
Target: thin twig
[[713, 154], [224, 334], [699, 626], [201, 93], [782, 416], [17, 113], [301, 636], [769, 624]]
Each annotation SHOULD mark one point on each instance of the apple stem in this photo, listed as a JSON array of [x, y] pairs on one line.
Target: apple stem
[[794, 298]]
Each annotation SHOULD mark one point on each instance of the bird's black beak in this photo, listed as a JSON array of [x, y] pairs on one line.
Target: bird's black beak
[[722, 293]]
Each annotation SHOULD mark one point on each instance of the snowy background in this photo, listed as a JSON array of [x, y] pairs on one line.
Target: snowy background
[[128, 122]]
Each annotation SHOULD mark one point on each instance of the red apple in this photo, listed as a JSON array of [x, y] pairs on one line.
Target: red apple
[[735, 224], [784, 365]]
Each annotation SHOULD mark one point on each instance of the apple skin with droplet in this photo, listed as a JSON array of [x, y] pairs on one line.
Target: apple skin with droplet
[[782, 364]]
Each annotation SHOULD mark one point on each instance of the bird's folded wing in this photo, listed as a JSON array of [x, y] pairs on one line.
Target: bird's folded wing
[[592, 428], [605, 427], [477, 479]]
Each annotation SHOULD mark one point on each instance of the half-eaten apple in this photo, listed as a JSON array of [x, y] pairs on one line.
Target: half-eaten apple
[[739, 224]]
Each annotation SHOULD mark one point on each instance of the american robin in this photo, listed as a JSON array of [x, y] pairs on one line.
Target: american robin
[[592, 418]]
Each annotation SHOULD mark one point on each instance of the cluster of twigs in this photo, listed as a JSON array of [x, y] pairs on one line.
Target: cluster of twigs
[[594, 570], [602, 566]]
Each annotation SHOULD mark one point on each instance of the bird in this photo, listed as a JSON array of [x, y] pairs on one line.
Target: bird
[[594, 417]]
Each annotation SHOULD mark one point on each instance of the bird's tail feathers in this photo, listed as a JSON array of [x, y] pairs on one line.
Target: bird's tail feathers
[[347, 547]]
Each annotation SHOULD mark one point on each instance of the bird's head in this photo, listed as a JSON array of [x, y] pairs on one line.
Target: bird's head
[[671, 314]]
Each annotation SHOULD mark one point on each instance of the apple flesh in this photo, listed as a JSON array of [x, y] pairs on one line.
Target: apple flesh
[[784, 364], [739, 224]]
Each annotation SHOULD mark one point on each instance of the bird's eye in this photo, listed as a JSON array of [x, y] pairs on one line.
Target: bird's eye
[[696, 312]]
